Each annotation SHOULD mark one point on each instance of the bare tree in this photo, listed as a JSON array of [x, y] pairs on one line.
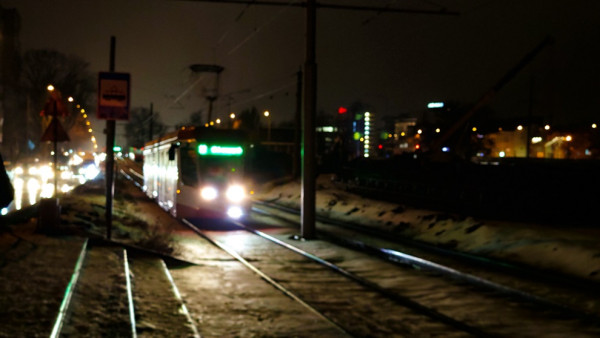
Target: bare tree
[[138, 128], [68, 74]]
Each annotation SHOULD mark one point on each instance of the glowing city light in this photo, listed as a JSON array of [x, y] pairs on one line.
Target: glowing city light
[[432, 105]]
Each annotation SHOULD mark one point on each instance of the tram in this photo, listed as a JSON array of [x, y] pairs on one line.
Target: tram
[[198, 172]]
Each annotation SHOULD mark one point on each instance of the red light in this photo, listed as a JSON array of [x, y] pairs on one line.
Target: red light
[[380, 146], [418, 146], [342, 110]]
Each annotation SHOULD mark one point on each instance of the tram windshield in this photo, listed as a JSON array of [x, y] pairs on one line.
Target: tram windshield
[[218, 164]]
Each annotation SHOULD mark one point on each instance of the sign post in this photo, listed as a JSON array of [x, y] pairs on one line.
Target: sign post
[[113, 104], [113, 96]]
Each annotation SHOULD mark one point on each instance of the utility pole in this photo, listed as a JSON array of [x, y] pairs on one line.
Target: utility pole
[[110, 156], [298, 126], [529, 118], [309, 173], [151, 120], [55, 132]]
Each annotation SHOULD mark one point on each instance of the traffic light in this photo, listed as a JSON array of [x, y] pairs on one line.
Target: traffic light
[[342, 110]]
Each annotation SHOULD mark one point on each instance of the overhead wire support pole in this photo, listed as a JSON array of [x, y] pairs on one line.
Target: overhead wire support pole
[[309, 172], [110, 159]]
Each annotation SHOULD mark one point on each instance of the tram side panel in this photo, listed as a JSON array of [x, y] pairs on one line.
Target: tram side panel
[[166, 177], [150, 167], [160, 175], [170, 180]]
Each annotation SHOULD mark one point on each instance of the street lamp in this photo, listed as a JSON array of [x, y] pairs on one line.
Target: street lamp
[[232, 120], [267, 114]]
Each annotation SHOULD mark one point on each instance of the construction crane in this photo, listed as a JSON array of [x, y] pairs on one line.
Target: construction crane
[[436, 146]]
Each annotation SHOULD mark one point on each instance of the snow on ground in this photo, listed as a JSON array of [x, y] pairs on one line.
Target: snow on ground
[[569, 249]]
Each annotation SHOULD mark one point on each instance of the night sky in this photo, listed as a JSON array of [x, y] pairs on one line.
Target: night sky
[[395, 63]]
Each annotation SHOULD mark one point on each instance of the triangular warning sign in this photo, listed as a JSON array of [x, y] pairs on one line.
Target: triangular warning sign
[[49, 133], [54, 106]]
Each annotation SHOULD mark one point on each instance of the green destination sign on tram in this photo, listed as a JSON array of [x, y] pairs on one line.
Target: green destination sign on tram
[[217, 150]]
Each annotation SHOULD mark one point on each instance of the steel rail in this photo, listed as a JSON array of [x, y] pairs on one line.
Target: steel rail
[[406, 259], [264, 276], [129, 295], [130, 178], [58, 323], [398, 257], [373, 286], [180, 300], [135, 173], [485, 261]]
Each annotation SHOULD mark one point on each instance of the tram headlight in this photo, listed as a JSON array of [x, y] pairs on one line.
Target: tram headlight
[[235, 212], [235, 193], [208, 193]]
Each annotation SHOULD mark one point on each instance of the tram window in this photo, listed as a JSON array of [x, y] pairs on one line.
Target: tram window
[[219, 169], [172, 152], [189, 168]]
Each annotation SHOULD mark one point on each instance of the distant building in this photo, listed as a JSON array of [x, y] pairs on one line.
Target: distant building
[[550, 144], [403, 137]]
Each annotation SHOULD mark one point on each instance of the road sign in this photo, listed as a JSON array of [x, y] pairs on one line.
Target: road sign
[[55, 132], [113, 96]]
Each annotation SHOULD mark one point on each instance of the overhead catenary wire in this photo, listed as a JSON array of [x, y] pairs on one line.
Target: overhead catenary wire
[[260, 96], [187, 90], [371, 18], [258, 29], [235, 21]]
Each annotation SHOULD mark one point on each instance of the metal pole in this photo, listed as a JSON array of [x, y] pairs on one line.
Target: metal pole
[[55, 121], [529, 118], [210, 108], [309, 174], [269, 128], [298, 126], [151, 120], [110, 160]]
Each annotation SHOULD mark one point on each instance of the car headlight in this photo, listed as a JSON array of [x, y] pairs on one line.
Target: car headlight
[[208, 193], [235, 193]]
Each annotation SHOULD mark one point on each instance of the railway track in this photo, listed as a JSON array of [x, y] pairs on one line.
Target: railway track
[[386, 297], [114, 292], [508, 296], [565, 293], [365, 288]]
